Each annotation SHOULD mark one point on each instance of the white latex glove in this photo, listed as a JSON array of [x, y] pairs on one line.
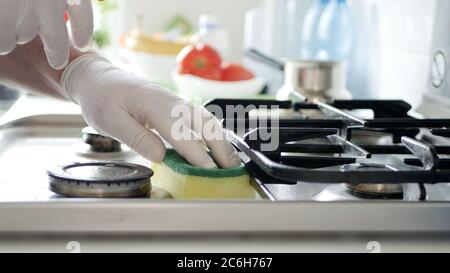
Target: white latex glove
[[22, 20], [139, 113]]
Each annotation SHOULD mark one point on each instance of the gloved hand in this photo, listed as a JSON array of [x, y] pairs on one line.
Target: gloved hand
[[22, 20], [140, 114]]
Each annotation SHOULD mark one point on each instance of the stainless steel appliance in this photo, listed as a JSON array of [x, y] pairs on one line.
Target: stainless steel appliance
[[436, 102], [319, 80], [326, 184], [389, 156]]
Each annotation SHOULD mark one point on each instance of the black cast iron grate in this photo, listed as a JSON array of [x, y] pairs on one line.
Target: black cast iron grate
[[336, 157]]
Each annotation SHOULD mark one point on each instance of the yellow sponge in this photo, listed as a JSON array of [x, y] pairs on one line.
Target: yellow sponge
[[184, 181]]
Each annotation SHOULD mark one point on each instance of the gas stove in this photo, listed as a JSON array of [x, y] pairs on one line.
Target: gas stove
[[334, 171], [55, 157], [345, 150]]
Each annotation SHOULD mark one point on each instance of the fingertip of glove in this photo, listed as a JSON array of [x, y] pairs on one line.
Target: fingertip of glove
[[201, 160], [7, 48], [233, 161], [82, 38], [209, 165], [58, 64], [204, 160], [82, 46], [156, 154]]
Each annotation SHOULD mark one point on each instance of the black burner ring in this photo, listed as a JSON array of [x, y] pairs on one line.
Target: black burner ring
[[99, 143]]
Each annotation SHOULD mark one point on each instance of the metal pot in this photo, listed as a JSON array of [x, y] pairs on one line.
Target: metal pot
[[308, 80]]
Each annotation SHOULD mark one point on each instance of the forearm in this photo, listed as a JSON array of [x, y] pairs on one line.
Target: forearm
[[27, 68]]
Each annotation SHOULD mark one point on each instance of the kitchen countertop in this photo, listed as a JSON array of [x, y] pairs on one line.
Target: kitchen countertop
[[29, 105]]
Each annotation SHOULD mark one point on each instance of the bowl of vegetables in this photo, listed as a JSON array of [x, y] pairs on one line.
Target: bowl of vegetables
[[202, 74]]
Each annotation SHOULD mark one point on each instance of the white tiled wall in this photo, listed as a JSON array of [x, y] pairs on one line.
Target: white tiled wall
[[395, 41]]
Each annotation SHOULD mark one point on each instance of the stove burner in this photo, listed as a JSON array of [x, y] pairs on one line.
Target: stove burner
[[99, 143], [101, 180], [375, 195], [376, 191], [373, 191]]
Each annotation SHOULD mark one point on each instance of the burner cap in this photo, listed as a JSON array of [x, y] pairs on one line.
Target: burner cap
[[101, 180], [373, 191], [99, 143]]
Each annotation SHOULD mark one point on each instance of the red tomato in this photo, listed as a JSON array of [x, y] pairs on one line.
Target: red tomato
[[200, 60], [235, 72]]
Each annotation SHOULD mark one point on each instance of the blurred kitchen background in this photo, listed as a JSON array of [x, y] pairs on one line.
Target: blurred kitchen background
[[393, 40]]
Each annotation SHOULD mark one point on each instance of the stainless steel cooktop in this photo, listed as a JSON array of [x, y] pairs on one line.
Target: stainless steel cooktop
[[33, 143]]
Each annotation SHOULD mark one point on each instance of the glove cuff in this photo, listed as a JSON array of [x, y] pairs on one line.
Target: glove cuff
[[74, 75]]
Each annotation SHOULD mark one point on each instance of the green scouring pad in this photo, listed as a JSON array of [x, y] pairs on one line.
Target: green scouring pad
[[184, 181]]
